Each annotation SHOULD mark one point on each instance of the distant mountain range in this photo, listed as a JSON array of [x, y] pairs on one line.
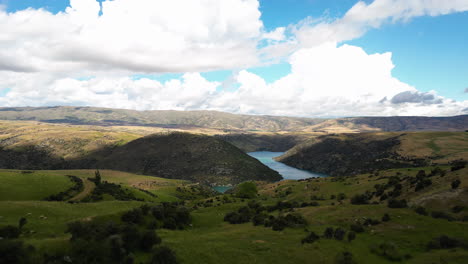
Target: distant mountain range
[[229, 122]]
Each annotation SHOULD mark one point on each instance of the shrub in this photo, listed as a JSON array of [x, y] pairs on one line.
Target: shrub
[[388, 250], [345, 258], [456, 183], [328, 233], [259, 219], [371, 222], [246, 190], [421, 210], [163, 255], [351, 236], [385, 218], [23, 221], [358, 228], [444, 242], [310, 238], [133, 216], [442, 215], [339, 234], [12, 251], [360, 199], [9, 232], [393, 203], [148, 240], [457, 209]]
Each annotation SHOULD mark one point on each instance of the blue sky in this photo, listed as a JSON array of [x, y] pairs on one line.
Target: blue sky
[[429, 52]]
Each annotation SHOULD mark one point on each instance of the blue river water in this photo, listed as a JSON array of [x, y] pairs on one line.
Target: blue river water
[[288, 172]]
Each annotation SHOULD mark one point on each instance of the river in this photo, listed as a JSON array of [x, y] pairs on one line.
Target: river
[[288, 172]]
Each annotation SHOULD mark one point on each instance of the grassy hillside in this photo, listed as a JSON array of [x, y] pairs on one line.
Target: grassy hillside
[[346, 154], [404, 237], [29, 185]]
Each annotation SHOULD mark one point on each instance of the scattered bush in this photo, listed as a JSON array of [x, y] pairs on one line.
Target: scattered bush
[[358, 228], [345, 258], [351, 236], [310, 238], [328, 233], [339, 234], [393, 203], [388, 250], [163, 255], [445, 242], [371, 222], [457, 209], [421, 210], [360, 199], [442, 215], [385, 218], [9, 232], [455, 183], [148, 240]]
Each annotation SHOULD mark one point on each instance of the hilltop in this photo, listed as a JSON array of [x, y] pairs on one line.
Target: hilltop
[[226, 122]]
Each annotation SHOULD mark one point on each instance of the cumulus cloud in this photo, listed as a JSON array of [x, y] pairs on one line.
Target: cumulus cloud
[[331, 80], [139, 36], [326, 80], [43, 56]]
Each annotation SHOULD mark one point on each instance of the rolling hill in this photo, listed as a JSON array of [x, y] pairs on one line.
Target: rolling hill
[[226, 122], [345, 154]]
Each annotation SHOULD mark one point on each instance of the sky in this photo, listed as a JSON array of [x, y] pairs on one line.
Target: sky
[[310, 58]]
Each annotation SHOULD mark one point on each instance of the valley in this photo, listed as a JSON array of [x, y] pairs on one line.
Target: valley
[[291, 196]]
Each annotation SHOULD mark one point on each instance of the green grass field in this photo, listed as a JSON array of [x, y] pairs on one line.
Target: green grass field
[[25, 186], [211, 240]]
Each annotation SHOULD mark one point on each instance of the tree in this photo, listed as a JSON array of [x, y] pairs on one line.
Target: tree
[[385, 218], [310, 238], [328, 233], [163, 255], [22, 222], [456, 183], [351, 236], [97, 177], [393, 203], [339, 234], [148, 240], [246, 190]]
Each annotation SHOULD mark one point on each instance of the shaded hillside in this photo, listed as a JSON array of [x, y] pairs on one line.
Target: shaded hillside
[[186, 156], [347, 154], [265, 142], [205, 159]]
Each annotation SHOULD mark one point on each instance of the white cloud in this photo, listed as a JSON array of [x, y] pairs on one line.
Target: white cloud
[[325, 81], [42, 56], [133, 35], [362, 17]]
